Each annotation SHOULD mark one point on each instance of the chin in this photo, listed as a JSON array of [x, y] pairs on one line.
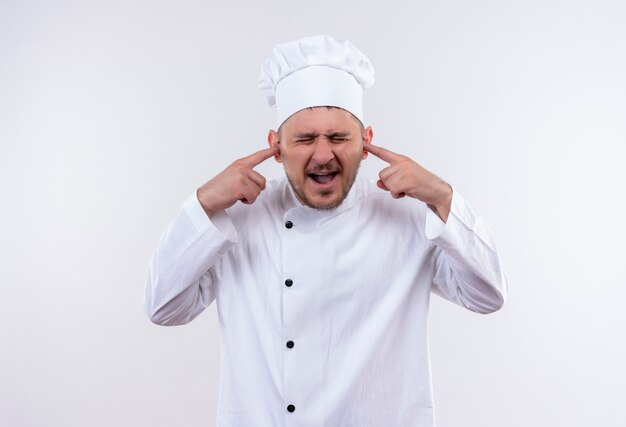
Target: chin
[[322, 203], [324, 200]]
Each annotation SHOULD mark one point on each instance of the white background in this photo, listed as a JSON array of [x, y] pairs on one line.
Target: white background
[[112, 112]]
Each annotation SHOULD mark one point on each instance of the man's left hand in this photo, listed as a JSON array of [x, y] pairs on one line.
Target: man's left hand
[[404, 177]]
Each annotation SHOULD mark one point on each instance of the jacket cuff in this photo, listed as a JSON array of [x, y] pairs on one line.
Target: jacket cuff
[[219, 222], [454, 232], [435, 226]]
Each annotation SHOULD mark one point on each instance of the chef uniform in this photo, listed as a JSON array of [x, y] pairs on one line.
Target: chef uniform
[[322, 313]]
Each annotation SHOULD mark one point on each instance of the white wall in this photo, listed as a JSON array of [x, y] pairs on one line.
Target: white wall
[[112, 112]]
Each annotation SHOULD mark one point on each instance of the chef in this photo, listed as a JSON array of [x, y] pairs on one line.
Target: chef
[[322, 279]]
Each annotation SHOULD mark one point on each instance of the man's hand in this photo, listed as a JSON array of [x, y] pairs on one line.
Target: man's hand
[[237, 182], [404, 177]]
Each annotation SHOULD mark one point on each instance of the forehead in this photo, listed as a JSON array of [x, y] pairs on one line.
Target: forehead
[[321, 120]]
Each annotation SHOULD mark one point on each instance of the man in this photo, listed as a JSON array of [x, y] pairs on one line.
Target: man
[[322, 281]]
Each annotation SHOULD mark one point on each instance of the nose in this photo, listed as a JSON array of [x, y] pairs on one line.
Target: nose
[[322, 152]]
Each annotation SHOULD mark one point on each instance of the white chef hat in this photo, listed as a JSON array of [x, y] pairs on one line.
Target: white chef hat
[[313, 72]]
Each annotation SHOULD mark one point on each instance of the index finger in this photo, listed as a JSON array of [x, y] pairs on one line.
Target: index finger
[[260, 156], [382, 153]]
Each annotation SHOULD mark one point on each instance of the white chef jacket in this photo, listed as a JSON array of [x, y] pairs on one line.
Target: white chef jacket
[[323, 313]]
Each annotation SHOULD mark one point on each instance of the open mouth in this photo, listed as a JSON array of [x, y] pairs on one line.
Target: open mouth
[[322, 177]]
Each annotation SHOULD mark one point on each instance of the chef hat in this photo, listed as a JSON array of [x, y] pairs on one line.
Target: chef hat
[[315, 71]]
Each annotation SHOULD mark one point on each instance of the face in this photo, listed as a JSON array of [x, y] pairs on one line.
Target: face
[[321, 149]]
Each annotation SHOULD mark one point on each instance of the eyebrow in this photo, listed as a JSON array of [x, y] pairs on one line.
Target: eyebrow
[[307, 135], [339, 135]]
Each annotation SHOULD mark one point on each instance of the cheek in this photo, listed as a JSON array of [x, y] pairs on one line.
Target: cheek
[[351, 154], [294, 162]]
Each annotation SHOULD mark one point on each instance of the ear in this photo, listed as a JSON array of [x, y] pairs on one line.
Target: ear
[[274, 141], [368, 136]]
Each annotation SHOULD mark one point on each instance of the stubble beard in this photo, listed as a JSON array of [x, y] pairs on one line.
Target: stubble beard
[[345, 189]]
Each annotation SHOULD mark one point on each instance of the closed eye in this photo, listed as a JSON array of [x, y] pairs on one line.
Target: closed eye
[[305, 138], [338, 137]]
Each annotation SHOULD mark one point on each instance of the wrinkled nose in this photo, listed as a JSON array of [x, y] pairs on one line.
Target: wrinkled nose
[[322, 152]]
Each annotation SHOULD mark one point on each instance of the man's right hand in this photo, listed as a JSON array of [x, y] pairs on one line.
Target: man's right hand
[[237, 182]]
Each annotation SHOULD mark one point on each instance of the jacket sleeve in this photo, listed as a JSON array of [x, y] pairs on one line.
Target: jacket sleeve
[[468, 270], [180, 282]]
